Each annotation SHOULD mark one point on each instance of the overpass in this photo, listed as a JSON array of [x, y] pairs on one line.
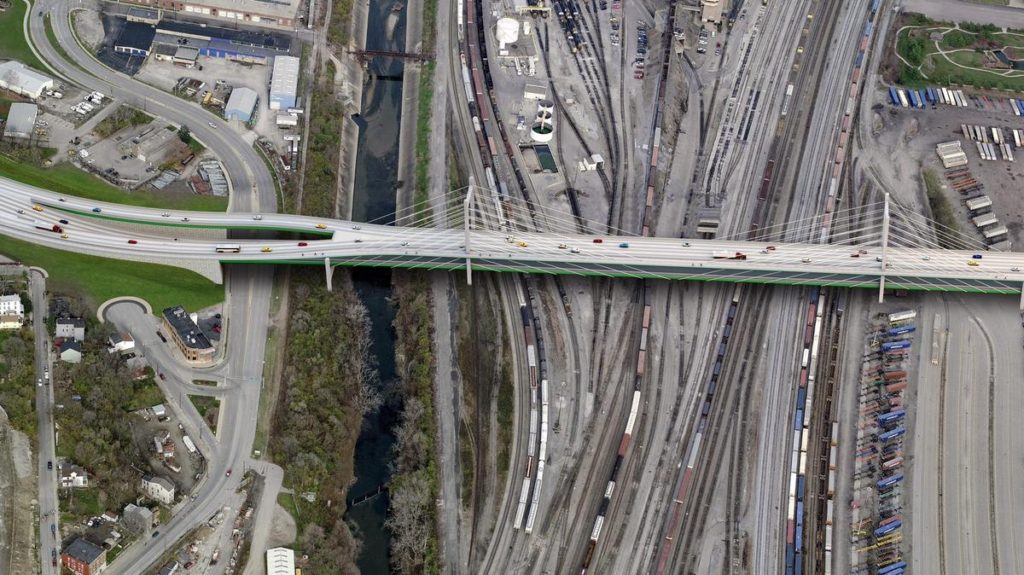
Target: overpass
[[867, 260]]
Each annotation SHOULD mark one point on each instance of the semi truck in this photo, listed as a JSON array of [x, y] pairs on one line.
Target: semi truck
[[729, 256]]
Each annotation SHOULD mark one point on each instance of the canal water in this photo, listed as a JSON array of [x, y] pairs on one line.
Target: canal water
[[373, 200]]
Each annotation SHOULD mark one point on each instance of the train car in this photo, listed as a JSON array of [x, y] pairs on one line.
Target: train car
[[904, 103], [892, 435], [902, 316], [894, 345]]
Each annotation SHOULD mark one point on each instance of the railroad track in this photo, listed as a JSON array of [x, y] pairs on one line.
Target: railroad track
[[722, 422]]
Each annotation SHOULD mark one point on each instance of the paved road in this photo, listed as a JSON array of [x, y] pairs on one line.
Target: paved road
[[566, 252], [49, 518], [248, 289], [961, 11]]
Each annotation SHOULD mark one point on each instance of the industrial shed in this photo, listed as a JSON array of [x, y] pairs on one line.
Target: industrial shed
[[20, 79], [241, 105], [21, 120], [284, 82]]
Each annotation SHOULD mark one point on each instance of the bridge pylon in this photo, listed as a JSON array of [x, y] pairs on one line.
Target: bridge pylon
[[330, 274], [885, 245], [468, 207]]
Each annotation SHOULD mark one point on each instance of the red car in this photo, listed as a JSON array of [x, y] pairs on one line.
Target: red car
[[303, 244], [598, 241], [133, 242]]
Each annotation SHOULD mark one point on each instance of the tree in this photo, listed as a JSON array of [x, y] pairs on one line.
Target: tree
[[185, 134]]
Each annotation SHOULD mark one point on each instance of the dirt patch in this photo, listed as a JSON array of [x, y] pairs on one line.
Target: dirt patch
[[282, 530], [88, 27], [17, 499]]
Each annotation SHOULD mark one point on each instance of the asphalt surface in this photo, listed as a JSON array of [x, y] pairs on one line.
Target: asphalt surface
[[248, 288], [963, 11], [49, 522], [966, 508]]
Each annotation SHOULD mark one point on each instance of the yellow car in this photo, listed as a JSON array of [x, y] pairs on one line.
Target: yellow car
[[522, 244], [321, 226], [63, 236], [267, 250], [972, 263], [37, 207]]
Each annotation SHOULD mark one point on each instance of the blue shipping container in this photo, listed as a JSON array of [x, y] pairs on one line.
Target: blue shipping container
[[801, 482], [798, 419], [894, 567], [920, 99], [867, 29], [900, 344], [890, 435], [884, 530], [911, 98], [889, 481], [894, 97], [891, 416], [902, 330], [874, 5]]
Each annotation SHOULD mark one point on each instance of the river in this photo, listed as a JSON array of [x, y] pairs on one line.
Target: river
[[373, 199]]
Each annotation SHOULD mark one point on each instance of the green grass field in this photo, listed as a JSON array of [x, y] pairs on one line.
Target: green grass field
[[13, 43], [69, 180], [99, 279]]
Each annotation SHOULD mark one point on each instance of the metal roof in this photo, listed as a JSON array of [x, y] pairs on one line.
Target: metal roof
[[284, 82], [21, 120]]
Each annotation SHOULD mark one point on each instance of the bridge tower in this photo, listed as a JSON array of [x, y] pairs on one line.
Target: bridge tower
[[468, 207], [885, 245]]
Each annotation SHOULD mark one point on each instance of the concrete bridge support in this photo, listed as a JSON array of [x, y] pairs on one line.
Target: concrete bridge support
[[330, 274]]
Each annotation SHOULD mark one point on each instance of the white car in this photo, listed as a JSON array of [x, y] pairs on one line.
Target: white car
[[212, 125]]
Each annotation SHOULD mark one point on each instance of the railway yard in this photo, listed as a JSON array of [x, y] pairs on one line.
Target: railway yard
[[700, 428], [692, 427]]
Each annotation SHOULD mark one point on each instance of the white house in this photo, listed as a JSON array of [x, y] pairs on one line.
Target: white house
[[73, 476], [70, 327], [11, 305], [121, 342], [71, 351], [158, 489], [10, 321]]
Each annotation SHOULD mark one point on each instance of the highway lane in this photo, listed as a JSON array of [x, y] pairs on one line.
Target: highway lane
[[667, 258], [49, 518]]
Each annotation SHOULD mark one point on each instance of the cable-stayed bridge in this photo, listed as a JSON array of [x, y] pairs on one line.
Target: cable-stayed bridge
[[876, 246]]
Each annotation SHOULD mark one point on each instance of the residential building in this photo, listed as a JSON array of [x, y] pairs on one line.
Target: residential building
[[70, 327], [241, 105], [84, 557], [70, 351], [72, 476], [20, 79], [21, 121], [280, 561], [159, 410], [10, 321], [121, 342], [158, 489], [11, 304], [138, 520], [109, 517], [265, 13], [191, 341], [284, 83]]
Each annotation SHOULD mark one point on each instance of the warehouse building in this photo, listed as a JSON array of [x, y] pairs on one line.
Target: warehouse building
[[21, 120], [192, 342], [20, 79], [241, 105], [135, 39], [280, 561], [266, 13], [284, 83]]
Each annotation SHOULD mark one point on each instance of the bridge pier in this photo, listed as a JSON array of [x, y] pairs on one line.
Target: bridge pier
[[467, 224], [330, 273]]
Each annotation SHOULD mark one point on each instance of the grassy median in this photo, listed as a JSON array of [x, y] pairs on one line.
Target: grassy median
[[13, 44], [99, 279]]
